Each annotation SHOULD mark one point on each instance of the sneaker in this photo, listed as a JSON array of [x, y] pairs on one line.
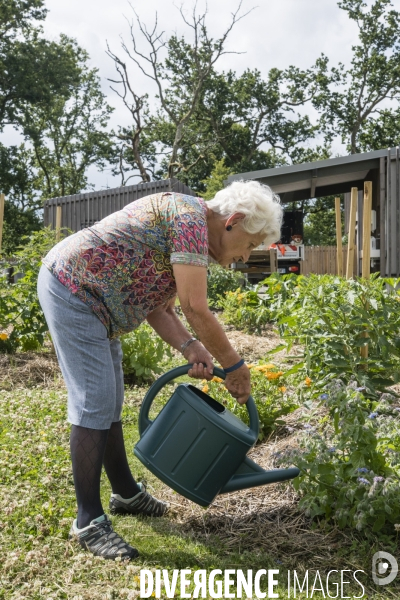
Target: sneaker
[[101, 540], [141, 504]]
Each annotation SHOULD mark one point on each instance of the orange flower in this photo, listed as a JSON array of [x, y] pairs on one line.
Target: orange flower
[[217, 379], [308, 381], [264, 368], [205, 389], [282, 389], [3, 336]]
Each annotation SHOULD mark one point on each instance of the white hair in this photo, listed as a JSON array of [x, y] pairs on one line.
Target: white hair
[[258, 202]]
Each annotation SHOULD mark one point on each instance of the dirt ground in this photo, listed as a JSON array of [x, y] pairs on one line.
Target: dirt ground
[[41, 368]]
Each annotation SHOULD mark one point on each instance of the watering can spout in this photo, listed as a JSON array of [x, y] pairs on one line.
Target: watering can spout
[[249, 474]]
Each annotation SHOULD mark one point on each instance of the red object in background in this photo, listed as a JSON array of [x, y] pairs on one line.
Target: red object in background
[[280, 247], [293, 269]]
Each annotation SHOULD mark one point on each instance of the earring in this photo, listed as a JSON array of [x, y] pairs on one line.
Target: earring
[[229, 228]]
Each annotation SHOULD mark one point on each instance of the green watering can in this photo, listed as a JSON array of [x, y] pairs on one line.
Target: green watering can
[[197, 446]]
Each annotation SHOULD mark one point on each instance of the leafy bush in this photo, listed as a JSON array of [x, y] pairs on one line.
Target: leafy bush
[[333, 318], [22, 322], [245, 310], [219, 282], [350, 465], [271, 396], [144, 354]]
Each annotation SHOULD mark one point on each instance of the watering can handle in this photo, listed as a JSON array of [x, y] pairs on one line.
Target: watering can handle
[[145, 422]]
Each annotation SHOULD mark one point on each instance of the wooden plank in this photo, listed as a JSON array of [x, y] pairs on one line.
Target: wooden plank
[[382, 216], [366, 242], [2, 203], [339, 251], [352, 230], [273, 260], [366, 259], [58, 222]]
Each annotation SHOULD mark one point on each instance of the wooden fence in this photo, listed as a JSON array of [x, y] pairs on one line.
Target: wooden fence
[[321, 260]]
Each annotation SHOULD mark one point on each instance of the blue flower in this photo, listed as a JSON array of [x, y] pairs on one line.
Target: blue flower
[[333, 449], [362, 470], [377, 479], [360, 389], [372, 415], [362, 480], [307, 426], [324, 397]]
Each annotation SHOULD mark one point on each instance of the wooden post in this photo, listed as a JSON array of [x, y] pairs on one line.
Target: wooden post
[[367, 208], [2, 202], [339, 251], [366, 258], [352, 229], [58, 223]]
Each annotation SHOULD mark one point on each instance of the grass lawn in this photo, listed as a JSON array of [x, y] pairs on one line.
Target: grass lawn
[[256, 529]]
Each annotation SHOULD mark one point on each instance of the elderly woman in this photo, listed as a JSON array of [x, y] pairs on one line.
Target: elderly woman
[[103, 282]]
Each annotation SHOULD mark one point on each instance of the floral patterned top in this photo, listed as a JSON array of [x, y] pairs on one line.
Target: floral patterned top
[[122, 266]]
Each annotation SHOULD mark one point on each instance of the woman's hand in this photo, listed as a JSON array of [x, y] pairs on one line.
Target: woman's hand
[[197, 354], [238, 384]]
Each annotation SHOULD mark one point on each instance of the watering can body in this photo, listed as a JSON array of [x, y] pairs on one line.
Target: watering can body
[[198, 447]]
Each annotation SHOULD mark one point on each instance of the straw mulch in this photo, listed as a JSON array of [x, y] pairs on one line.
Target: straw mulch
[[265, 519], [28, 369]]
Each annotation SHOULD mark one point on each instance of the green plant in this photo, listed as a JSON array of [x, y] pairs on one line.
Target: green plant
[[333, 318], [271, 396], [349, 463], [245, 310], [219, 282], [144, 353], [20, 311]]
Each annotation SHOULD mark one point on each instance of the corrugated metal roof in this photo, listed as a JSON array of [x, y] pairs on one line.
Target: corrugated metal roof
[[319, 178]]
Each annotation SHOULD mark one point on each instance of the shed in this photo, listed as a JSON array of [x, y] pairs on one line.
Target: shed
[[83, 210], [338, 175]]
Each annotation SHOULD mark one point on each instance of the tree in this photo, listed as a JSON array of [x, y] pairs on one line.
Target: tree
[[68, 134], [18, 177], [17, 225], [32, 68], [51, 96], [179, 79], [355, 99], [18, 181], [204, 116], [255, 120], [216, 181], [320, 221]]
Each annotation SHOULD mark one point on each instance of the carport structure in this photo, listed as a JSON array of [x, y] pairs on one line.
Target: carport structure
[[337, 176]]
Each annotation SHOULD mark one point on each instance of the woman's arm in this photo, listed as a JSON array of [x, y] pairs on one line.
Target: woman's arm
[[191, 283], [170, 328]]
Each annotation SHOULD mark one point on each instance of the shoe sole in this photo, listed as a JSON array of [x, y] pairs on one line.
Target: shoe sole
[[123, 511]]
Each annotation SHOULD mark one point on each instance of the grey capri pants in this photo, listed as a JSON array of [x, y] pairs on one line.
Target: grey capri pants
[[90, 362]]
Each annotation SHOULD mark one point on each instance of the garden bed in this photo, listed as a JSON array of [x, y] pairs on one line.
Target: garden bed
[[255, 528]]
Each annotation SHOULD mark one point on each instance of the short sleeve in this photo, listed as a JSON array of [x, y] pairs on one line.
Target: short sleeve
[[188, 234]]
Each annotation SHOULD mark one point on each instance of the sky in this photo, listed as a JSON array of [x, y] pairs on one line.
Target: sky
[[276, 33]]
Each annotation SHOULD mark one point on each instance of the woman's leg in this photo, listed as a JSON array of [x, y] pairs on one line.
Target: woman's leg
[[115, 459], [116, 464], [87, 452], [84, 355], [128, 497]]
